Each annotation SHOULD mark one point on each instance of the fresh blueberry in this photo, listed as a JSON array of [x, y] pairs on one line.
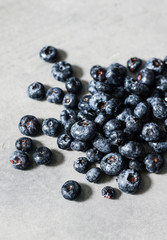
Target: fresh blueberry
[[116, 74], [29, 125], [98, 101], [159, 107], [98, 73], [108, 192], [70, 100], [93, 175], [129, 181], [64, 141], [92, 87], [55, 95], [142, 110], [154, 162], [42, 155], [94, 155], [133, 86], [81, 164], [134, 64], [102, 144], [132, 150], [73, 85], [19, 160], [67, 114], [84, 103], [132, 100], [61, 71], [103, 87], [49, 54], [151, 132], [118, 92], [155, 65], [160, 146], [36, 91], [50, 127], [24, 144], [136, 165], [101, 119], [133, 124], [113, 106], [117, 137], [110, 126], [86, 115], [77, 145], [124, 114], [83, 130], [68, 125], [70, 190], [161, 83]]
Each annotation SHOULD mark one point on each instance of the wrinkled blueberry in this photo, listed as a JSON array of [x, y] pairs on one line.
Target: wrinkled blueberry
[[134, 64], [159, 107], [142, 110], [36, 91], [124, 114], [70, 190], [19, 160], [133, 124], [98, 73], [29, 125], [108, 192]]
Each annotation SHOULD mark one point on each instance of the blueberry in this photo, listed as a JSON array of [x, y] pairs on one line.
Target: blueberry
[[77, 145], [50, 127], [101, 119], [73, 85], [83, 130], [81, 164], [24, 144], [29, 125], [61, 71], [67, 114], [110, 126], [134, 64], [124, 114], [19, 160], [36, 91], [136, 165], [133, 86], [84, 103], [55, 95], [49, 54], [151, 132], [102, 144], [113, 106], [94, 155], [155, 65], [108, 192], [132, 100], [64, 141], [117, 137], [116, 74], [92, 87], [68, 125], [93, 175], [129, 181], [133, 124], [161, 83], [86, 115], [160, 146], [159, 107], [132, 150], [103, 87], [70, 100], [98, 101], [154, 162], [70, 190], [142, 110], [42, 155], [98, 73], [146, 76], [118, 92]]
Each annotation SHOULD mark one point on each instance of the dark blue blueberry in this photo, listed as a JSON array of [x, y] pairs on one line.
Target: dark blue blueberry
[[98, 73], [67, 114], [110, 126], [61, 71], [129, 181], [160, 146], [151, 132], [146, 76], [93, 175], [142, 110], [101, 119], [103, 87], [159, 107], [86, 115], [136, 165], [154, 162], [155, 65], [112, 163], [94, 155], [49, 54], [108, 192], [116, 74], [132, 100], [133, 86], [77, 145], [83, 130], [70, 100], [68, 125], [84, 103], [132, 150], [117, 137], [19, 160], [161, 83], [118, 92], [36, 91], [42, 155], [29, 125], [64, 141], [124, 114], [24, 144], [70, 190], [133, 124], [92, 87], [113, 106], [73, 85], [98, 101], [102, 144], [134, 64], [50, 127], [81, 164], [55, 95]]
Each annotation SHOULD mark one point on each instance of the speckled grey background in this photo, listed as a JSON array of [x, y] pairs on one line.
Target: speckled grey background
[[89, 32]]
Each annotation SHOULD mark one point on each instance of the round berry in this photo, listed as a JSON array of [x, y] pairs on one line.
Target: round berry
[[50, 127], [70, 190], [49, 54], [19, 160], [29, 125], [81, 164], [55, 95], [73, 85], [154, 162], [42, 155], [98, 73], [36, 91], [108, 192], [24, 144], [61, 71]]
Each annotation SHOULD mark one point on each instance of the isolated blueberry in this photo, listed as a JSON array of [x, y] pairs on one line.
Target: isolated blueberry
[[116, 73], [19, 160], [151, 132], [64, 141], [132, 150], [102, 144], [134, 64], [93, 175], [50, 127], [84, 103], [98, 101], [80, 164], [94, 155], [42, 155], [129, 181], [70, 100], [36, 91], [110, 126], [155, 65], [154, 162], [133, 86], [113, 106], [66, 115], [61, 71], [108, 192], [24, 144], [132, 100], [136, 165], [49, 54], [70, 190], [83, 130], [73, 85], [29, 125], [55, 95], [146, 76], [77, 145], [98, 73]]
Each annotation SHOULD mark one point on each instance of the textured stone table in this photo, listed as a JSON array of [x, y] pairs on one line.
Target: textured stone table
[[87, 32]]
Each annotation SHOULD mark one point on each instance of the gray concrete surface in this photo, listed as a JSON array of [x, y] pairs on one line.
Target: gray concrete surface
[[89, 32]]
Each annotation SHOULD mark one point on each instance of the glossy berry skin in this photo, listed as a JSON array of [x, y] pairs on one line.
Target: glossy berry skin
[[73, 85], [42, 155], [98, 73], [49, 54], [124, 114], [68, 125], [142, 110], [98, 101], [132, 150], [150, 132], [110, 126], [84, 103], [133, 86], [66, 115], [132, 100], [134, 64], [70, 100], [94, 155], [108, 192], [24, 144], [101, 119], [36, 91], [102, 144], [86, 115], [146, 76], [117, 137], [64, 142], [61, 71], [104, 87], [29, 125], [159, 107], [155, 65], [113, 106], [136, 165], [83, 130], [129, 181], [93, 175], [55, 95], [133, 124], [154, 162], [112, 163], [161, 83], [81, 164], [50, 127], [116, 73], [19, 160], [70, 190], [77, 145]]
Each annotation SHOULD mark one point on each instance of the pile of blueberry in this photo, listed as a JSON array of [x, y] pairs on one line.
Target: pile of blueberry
[[120, 125]]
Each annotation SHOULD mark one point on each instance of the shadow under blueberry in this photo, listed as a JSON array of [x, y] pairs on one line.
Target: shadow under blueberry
[[84, 90], [57, 158], [164, 169], [145, 184], [47, 87], [77, 71], [118, 193], [62, 55], [105, 178], [85, 194]]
